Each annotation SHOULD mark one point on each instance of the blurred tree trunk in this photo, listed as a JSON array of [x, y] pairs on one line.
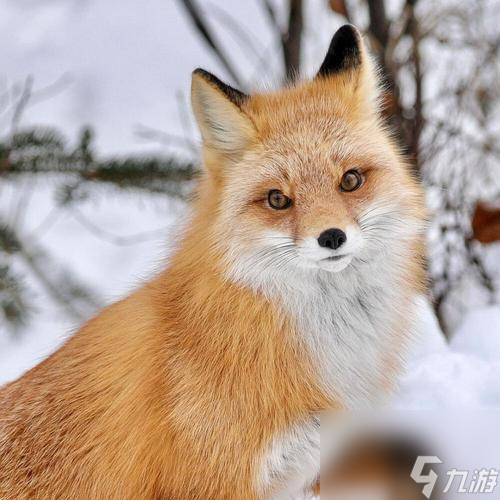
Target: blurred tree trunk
[[292, 40], [291, 37], [384, 35]]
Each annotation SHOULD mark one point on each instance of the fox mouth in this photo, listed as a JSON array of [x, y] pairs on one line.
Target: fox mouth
[[335, 257]]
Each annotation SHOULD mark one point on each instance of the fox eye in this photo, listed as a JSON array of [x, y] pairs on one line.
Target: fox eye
[[278, 200], [351, 181]]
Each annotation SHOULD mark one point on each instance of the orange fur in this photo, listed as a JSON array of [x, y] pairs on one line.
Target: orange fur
[[177, 391]]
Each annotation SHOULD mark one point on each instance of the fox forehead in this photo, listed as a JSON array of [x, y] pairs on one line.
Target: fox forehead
[[317, 102], [302, 100], [309, 131]]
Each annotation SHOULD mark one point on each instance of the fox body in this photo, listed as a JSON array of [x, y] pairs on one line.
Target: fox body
[[291, 292]]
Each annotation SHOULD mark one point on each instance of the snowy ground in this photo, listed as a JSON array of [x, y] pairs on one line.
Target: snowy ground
[[125, 67], [463, 373]]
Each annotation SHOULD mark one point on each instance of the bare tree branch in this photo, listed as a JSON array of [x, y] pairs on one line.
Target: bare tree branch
[[201, 26], [246, 39], [418, 120], [21, 103], [115, 239], [271, 13]]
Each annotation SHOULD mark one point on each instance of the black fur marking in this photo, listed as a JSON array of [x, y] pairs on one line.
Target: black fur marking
[[344, 52], [235, 96]]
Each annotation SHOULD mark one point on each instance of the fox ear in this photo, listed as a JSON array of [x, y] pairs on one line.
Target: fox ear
[[348, 61], [344, 53], [218, 110]]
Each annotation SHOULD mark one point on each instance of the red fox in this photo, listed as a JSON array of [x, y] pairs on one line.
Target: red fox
[[291, 292]]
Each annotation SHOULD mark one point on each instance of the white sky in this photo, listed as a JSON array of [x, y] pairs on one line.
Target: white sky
[[127, 62]]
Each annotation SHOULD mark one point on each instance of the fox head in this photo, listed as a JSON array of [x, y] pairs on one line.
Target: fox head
[[305, 179]]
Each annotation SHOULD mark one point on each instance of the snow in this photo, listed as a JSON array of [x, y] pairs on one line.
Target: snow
[[463, 373], [125, 67], [484, 323]]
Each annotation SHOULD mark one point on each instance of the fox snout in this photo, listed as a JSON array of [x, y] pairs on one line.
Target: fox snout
[[332, 238]]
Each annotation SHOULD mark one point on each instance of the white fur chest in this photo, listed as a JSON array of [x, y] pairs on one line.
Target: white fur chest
[[349, 322]]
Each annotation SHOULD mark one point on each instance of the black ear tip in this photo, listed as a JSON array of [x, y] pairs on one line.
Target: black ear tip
[[203, 73], [235, 95], [344, 51], [348, 33]]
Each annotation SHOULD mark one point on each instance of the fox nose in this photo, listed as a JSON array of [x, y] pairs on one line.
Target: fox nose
[[332, 238]]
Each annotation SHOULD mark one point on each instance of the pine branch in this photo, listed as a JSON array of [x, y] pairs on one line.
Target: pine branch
[[76, 299], [14, 308], [73, 297], [45, 151]]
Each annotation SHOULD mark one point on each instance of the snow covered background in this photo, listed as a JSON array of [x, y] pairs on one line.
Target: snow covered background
[[122, 66]]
